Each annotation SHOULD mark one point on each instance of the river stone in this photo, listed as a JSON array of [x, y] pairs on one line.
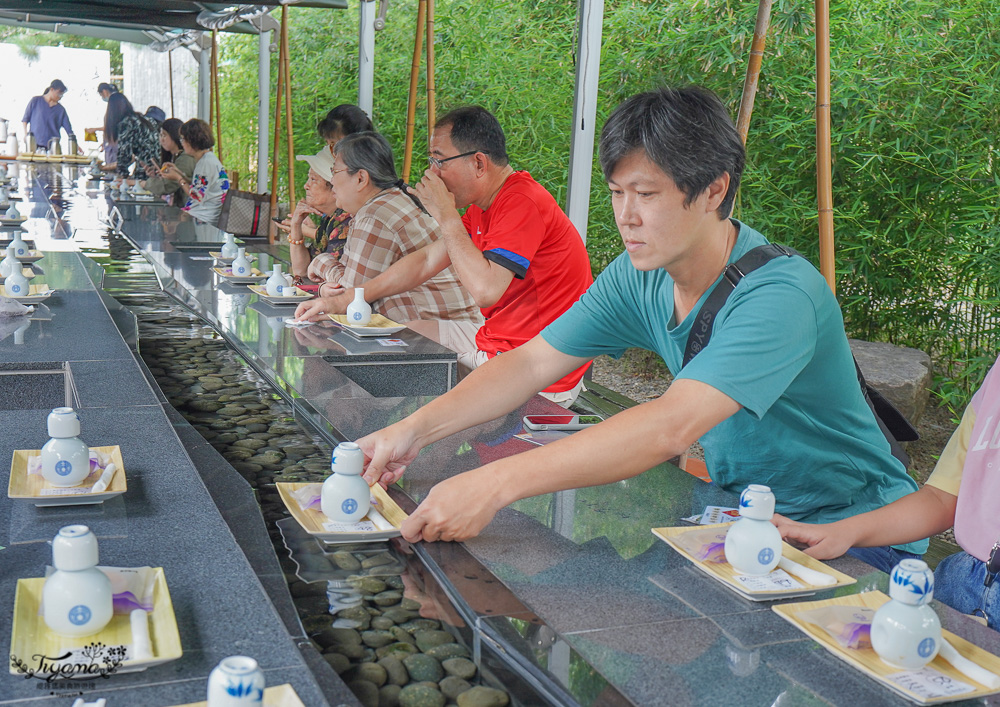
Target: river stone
[[271, 457], [253, 444], [338, 636], [394, 581], [387, 598], [372, 672], [397, 649], [423, 668], [460, 668], [258, 427], [377, 639], [453, 686], [383, 558], [255, 419], [232, 411], [226, 437], [358, 614], [222, 425], [481, 696], [420, 696], [402, 636], [239, 453], [371, 585], [345, 561], [448, 650], [388, 696], [398, 615], [210, 385], [429, 639], [247, 467], [366, 692], [420, 624], [382, 623], [337, 661], [205, 405], [256, 407], [395, 670], [409, 604]]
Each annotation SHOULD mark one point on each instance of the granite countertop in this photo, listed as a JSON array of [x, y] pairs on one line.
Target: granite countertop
[[220, 605]]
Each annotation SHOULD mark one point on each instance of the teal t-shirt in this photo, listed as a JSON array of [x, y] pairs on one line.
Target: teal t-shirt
[[778, 348]]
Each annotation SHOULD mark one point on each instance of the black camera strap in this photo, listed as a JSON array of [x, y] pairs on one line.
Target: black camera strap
[[891, 421]]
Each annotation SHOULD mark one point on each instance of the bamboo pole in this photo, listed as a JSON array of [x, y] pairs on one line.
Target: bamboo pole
[[215, 96], [288, 107], [170, 67], [824, 176], [753, 68], [411, 105], [431, 119], [276, 143]]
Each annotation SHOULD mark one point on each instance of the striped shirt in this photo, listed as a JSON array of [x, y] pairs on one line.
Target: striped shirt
[[388, 227]]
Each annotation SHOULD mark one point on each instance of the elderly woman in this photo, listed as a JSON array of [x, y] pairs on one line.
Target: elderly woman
[[170, 151], [388, 224], [135, 137], [207, 188], [316, 259]]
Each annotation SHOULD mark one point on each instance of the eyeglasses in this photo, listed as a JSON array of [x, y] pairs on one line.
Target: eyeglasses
[[338, 171], [439, 163]]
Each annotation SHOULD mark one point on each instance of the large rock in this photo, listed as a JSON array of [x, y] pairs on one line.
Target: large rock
[[901, 374]]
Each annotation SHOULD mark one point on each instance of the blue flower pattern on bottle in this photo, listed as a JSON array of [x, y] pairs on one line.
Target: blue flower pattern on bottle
[[244, 689], [765, 556], [926, 647], [903, 579], [744, 501], [349, 506], [79, 615], [63, 468]]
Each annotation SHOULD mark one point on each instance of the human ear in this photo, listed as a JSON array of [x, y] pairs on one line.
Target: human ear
[[716, 192]]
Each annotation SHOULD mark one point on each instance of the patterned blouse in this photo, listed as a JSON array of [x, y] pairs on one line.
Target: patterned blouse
[[209, 187], [326, 248], [138, 141]]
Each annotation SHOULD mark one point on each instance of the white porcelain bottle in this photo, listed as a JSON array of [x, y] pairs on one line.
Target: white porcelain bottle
[[19, 246], [4, 195], [123, 189], [237, 681], [16, 284], [229, 249], [276, 281], [65, 457], [3, 138], [906, 633], [359, 312], [345, 497], [753, 544], [12, 212], [10, 263], [241, 266], [11, 148], [76, 598]]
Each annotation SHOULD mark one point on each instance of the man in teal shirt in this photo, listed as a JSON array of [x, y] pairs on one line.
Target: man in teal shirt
[[773, 398]]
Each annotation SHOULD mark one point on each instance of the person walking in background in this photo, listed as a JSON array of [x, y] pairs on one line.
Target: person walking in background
[[104, 90], [46, 116], [207, 188], [135, 136], [171, 151]]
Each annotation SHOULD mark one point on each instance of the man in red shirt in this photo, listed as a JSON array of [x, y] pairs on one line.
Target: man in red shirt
[[515, 250]]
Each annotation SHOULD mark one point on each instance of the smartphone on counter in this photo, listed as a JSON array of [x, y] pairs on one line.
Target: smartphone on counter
[[277, 219], [560, 422]]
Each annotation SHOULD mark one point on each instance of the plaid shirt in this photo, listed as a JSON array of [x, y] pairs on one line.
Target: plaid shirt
[[384, 230]]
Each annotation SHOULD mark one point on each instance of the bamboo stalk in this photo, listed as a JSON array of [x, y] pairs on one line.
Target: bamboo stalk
[[170, 67], [215, 96], [411, 105], [431, 119], [824, 169], [288, 109], [276, 144], [753, 68]]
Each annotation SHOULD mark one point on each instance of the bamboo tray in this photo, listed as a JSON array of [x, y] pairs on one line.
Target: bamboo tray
[[30, 636], [36, 294], [227, 275], [725, 573], [379, 326], [33, 256], [299, 296], [867, 661], [279, 696], [312, 520], [25, 487], [12, 221]]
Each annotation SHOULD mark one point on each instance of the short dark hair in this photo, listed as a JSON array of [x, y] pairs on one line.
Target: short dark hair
[[686, 132], [58, 85], [475, 128], [345, 119], [109, 87], [198, 134], [371, 152]]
